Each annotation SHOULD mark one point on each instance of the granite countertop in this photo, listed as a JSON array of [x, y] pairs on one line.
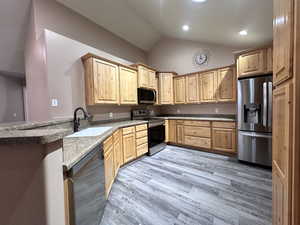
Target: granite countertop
[[24, 125], [39, 136], [76, 148], [225, 118]]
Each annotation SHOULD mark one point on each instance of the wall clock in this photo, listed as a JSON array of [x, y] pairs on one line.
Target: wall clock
[[201, 57]]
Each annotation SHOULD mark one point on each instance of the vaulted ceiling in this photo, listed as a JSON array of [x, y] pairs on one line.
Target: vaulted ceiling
[[144, 22]]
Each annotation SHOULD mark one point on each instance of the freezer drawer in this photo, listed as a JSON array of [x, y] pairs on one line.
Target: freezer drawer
[[255, 147]]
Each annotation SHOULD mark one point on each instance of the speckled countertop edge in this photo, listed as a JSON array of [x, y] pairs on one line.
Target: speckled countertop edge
[[41, 136], [31, 125], [68, 164]]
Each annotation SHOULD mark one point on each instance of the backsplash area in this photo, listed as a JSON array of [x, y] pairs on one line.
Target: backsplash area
[[209, 108]]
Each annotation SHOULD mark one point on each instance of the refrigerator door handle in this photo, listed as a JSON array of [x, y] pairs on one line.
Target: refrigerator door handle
[[255, 135], [265, 104], [270, 95]]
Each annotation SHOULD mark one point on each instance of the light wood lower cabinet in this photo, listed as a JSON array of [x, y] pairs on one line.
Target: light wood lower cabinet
[[282, 153], [220, 136], [224, 139], [141, 139], [129, 146], [118, 150], [109, 167]]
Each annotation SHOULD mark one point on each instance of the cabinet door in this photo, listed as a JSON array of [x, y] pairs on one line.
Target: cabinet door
[[226, 85], [157, 91], [282, 153], [192, 88], [224, 139], [208, 86], [129, 148], [252, 63], [171, 133], [180, 133], [166, 89], [152, 79], [179, 90], [109, 169], [143, 77], [106, 82], [282, 40], [128, 86], [118, 153]]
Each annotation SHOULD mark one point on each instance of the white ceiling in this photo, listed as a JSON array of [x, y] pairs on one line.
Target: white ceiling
[[14, 19], [143, 22]]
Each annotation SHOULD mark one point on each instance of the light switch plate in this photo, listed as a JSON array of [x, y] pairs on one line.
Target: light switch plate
[[54, 102], [110, 115]]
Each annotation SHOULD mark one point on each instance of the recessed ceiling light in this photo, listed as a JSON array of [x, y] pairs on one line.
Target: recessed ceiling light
[[185, 27], [199, 1], [243, 32]]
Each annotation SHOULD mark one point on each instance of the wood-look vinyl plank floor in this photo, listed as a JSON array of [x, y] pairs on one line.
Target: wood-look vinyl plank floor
[[179, 186]]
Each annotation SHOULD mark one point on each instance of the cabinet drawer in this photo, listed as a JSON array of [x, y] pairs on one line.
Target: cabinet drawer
[[141, 127], [140, 134], [142, 149], [141, 141], [197, 142], [128, 130], [197, 131], [224, 124], [197, 123], [108, 143], [179, 121]]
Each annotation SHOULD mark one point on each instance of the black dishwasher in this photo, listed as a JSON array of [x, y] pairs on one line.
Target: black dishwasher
[[88, 189]]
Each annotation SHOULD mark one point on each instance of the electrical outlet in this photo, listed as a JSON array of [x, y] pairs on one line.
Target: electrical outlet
[[217, 110], [54, 102], [110, 115], [178, 110], [15, 115]]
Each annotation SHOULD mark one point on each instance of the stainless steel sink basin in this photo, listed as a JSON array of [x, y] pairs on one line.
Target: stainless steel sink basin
[[90, 132]]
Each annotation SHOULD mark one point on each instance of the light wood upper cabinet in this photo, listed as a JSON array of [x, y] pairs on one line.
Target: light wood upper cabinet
[[192, 88], [129, 144], [208, 84], [226, 85], [143, 77], [152, 79], [179, 90], [282, 40], [269, 60], [252, 63], [282, 153], [128, 86], [101, 82], [166, 89]]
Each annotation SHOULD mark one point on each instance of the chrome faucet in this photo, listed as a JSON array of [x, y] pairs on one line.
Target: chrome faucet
[[76, 120]]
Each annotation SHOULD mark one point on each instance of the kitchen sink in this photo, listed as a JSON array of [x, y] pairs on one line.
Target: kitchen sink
[[90, 132]]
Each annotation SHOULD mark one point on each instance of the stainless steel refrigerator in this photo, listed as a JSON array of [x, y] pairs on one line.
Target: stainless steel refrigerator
[[255, 120]]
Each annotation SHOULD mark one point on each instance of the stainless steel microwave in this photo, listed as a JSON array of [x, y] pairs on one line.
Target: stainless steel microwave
[[146, 96]]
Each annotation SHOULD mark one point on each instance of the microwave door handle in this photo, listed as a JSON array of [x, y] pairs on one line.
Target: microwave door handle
[[270, 95], [265, 104]]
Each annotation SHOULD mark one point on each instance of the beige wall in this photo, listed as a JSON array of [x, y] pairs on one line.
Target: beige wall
[[66, 77], [11, 99], [56, 17], [177, 55]]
